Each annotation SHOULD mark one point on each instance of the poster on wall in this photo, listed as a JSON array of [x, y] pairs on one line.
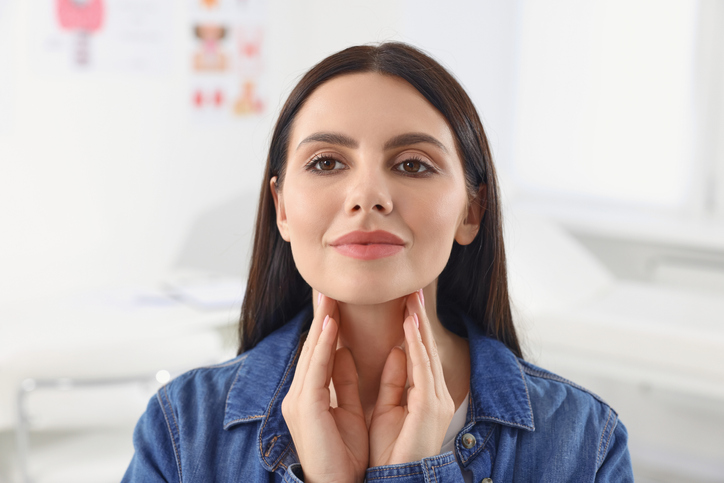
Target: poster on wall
[[114, 36], [227, 59]]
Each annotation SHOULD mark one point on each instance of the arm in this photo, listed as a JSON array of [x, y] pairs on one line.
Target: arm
[[614, 456], [156, 457]]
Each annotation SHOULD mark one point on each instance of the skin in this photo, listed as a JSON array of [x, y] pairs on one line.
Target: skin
[[379, 381]]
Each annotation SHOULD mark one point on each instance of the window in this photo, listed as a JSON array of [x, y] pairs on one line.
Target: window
[[604, 106]]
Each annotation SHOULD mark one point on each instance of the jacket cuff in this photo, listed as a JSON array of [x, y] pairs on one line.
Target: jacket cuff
[[294, 474], [442, 468]]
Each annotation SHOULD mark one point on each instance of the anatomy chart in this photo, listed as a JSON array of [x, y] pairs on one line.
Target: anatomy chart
[[227, 59], [102, 35]]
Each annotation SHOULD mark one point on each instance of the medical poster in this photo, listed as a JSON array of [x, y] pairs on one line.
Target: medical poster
[[114, 36], [227, 59]]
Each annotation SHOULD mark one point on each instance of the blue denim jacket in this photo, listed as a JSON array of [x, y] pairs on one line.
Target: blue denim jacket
[[224, 423]]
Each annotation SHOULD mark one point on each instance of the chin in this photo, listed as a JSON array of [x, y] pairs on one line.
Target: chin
[[366, 290], [366, 297], [358, 283]]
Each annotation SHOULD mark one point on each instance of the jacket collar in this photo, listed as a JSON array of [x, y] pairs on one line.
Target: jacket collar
[[498, 389], [262, 380]]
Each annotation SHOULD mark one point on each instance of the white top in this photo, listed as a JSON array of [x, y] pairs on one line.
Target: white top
[[453, 430], [457, 423]]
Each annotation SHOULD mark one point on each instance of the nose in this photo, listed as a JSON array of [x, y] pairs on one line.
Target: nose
[[369, 193]]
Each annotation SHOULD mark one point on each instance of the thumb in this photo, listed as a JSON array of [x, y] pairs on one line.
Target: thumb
[[392, 382], [346, 383]]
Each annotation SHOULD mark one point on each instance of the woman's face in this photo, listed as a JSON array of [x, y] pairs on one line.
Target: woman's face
[[374, 192]]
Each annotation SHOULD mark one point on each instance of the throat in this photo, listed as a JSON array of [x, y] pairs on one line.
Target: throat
[[371, 331]]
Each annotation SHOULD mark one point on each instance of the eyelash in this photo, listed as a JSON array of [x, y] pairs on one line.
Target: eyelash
[[311, 166]]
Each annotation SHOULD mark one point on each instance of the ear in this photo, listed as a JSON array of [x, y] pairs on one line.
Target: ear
[[280, 209], [468, 229]]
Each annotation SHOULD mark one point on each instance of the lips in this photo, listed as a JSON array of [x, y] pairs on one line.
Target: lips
[[368, 245], [378, 237]]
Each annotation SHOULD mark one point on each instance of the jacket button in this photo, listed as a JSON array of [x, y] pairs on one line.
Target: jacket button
[[469, 442], [486, 480]]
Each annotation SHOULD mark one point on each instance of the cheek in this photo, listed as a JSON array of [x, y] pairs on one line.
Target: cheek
[[435, 220], [309, 215], [305, 217]]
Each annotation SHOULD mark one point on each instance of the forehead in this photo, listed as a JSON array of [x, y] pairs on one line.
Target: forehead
[[370, 107]]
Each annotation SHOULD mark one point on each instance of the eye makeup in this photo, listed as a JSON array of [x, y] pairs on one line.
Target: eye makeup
[[414, 166]]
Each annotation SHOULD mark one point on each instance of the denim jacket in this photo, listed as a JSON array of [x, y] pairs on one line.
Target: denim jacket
[[224, 423]]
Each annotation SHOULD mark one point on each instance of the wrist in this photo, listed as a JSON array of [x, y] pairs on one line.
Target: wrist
[[434, 468]]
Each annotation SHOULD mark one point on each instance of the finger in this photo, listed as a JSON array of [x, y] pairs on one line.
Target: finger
[[410, 381], [392, 382], [346, 382], [329, 305], [332, 354], [316, 376], [414, 305], [421, 374], [326, 306]]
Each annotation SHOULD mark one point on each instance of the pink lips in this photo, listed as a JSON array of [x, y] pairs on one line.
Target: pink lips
[[368, 245]]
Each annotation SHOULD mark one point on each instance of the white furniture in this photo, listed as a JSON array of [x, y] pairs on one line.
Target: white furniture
[[75, 375], [655, 352]]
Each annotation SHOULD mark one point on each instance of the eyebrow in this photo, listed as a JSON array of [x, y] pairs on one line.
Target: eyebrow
[[406, 139]]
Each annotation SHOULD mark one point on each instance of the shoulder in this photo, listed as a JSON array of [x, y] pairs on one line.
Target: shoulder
[[207, 383], [198, 397], [183, 413], [236, 391], [562, 407], [551, 394], [247, 381], [573, 435]]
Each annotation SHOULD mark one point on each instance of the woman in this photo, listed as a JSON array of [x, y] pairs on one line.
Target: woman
[[377, 341]]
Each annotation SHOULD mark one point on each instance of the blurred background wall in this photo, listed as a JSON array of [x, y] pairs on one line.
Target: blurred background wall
[[132, 143]]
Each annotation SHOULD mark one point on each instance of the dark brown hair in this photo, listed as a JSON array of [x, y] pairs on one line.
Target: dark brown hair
[[474, 281]]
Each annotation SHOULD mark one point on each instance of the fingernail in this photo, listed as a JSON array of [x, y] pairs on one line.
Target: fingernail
[[417, 321], [422, 297], [326, 321], [319, 298]]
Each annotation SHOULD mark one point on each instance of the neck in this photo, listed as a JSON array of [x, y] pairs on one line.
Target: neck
[[371, 331]]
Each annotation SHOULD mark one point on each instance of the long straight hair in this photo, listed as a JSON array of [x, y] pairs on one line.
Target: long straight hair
[[474, 281]]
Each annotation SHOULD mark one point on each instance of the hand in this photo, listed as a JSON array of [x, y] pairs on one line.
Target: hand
[[332, 443], [405, 433]]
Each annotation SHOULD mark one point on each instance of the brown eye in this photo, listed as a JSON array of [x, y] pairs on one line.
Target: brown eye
[[412, 166], [327, 164]]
